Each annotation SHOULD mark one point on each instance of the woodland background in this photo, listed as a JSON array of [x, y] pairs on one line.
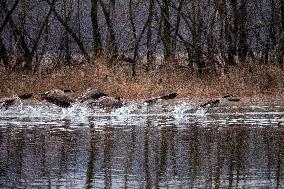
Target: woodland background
[[136, 47]]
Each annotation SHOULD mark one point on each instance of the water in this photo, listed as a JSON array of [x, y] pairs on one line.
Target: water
[[163, 146]]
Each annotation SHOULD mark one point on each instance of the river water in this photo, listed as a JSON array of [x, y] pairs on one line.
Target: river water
[[162, 146]]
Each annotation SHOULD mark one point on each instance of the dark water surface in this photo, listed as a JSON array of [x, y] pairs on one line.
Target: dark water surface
[[241, 148]]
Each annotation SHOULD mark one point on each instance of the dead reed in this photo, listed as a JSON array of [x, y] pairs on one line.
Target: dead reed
[[117, 81]]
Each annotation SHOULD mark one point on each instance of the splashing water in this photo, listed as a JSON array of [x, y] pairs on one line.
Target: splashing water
[[201, 112], [180, 110], [137, 113]]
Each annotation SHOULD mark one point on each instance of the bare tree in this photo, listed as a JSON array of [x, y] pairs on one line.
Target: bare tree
[[177, 25], [70, 31], [3, 53], [137, 40], [108, 14], [166, 37], [20, 35], [243, 36], [10, 12], [150, 48], [236, 30], [281, 60], [97, 45]]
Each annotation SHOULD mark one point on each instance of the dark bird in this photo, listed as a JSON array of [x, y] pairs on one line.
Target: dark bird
[[7, 102], [69, 90], [25, 96], [57, 97], [235, 99], [169, 96], [215, 102], [91, 94], [97, 98], [227, 96], [165, 97], [210, 103], [107, 102], [231, 98]]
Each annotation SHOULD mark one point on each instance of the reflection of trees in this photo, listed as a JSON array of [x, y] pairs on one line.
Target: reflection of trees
[[93, 151], [279, 155], [3, 143], [146, 157], [172, 149], [15, 148], [167, 144], [269, 153], [216, 152], [194, 158], [69, 142], [108, 145], [236, 148], [208, 149], [274, 144], [231, 154], [163, 153], [57, 149], [214, 157], [40, 150], [221, 148], [130, 150]]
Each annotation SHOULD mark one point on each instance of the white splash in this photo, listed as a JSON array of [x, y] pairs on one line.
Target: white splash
[[180, 109], [134, 113], [201, 112]]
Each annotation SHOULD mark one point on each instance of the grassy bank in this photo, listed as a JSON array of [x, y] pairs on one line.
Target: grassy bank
[[117, 81]]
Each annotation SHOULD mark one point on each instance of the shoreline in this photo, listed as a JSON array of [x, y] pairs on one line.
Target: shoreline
[[117, 82]]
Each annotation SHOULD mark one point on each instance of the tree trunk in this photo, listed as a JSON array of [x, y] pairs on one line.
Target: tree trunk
[[112, 44], [19, 35], [3, 54], [197, 37], [166, 29], [150, 50], [6, 19], [96, 33], [178, 19], [243, 46], [281, 60], [282, 15], [232, 33], [70, 31], [131, 19], [43, 27]]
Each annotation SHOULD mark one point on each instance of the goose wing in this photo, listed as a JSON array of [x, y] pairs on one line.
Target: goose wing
[[165, 97], [108, 102], [58, 98], [7, 102], [91, 94], [61, 101]]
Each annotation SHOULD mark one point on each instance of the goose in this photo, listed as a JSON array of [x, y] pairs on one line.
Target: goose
[[210, 103], [165, 97], [232, 98], [91, 94], [97, 98], [7, 102], [69, 90], [107, 102], [58, 97], [117, 102], [215, 102]]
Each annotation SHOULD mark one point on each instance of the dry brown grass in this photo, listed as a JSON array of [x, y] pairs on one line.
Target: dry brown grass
[[117, 81]]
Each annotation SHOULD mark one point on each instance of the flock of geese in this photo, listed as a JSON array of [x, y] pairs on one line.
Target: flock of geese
[[96, 98]]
